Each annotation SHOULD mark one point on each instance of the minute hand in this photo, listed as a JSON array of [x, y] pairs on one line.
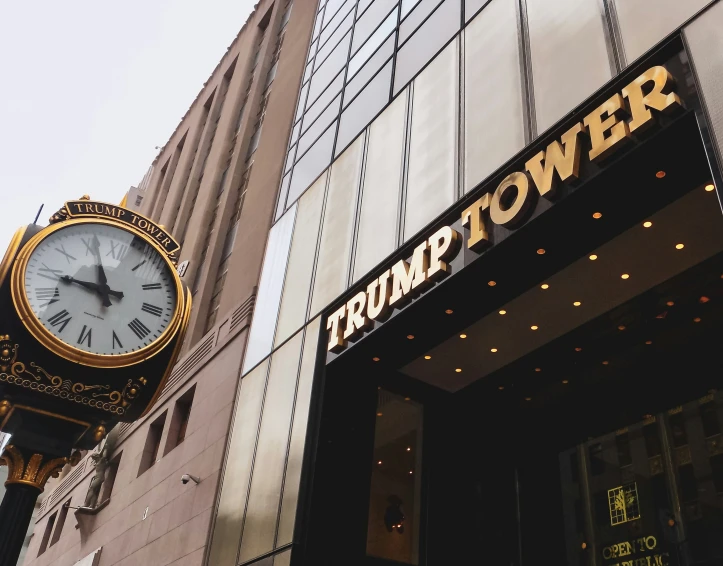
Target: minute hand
[[102, 279], [90, 285]]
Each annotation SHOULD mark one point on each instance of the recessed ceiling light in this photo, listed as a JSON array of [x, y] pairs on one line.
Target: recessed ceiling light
[[647, 224], [696, 319], [670, 303], [679, 246], [625, 276], [703, 300], [458, 370], [597, 215], [541, 251], [621, 327], [660, 174], [648, 342], [538, 369], [379, 462], [427, 357], [503, 312], [606, 362], [375, 359], [491, 283], [410, 336], [407, 398], [379, 414], [528, 398], [544, 286], [411, 472], [565, 381], [578, 349], [463, 336], [409, 448], [493, 350], [710, 187], [534, 327], [501, 387], [449, 311], [576, 304], [593, 257]]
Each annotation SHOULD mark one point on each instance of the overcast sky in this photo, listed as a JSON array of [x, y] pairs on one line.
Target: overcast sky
[[88, 89]]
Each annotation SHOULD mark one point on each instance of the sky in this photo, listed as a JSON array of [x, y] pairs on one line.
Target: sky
[[88, 89]]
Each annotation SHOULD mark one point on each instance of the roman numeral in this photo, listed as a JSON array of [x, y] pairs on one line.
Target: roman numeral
[[117, 250], [48, 273], [85, 335], [62, 318], [137, 266], [140, 329], [152, 309], [151, 286], [116, 339], [61, 249], [88, 248], [49, 294]]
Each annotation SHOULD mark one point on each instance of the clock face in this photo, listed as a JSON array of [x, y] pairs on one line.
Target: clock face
[[100, 289]]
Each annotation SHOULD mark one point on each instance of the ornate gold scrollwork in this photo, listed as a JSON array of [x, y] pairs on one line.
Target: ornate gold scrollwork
[[62, 214], [36, 471], [34, 377]]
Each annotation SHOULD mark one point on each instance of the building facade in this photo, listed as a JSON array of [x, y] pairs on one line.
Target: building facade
[[213, 186], [487, 308]]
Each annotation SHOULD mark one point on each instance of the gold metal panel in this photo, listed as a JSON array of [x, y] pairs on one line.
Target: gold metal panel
[[268, 473], [377, 232], [237, 470], [432, 168], [295, 300], [624, 504], [494, 112], [569, 55], [294, 463], [334, 249]]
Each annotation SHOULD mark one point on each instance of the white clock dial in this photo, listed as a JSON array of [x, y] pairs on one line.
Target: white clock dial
[[100, 289]]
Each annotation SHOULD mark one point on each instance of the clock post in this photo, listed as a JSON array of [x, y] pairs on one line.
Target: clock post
[[92, 317]]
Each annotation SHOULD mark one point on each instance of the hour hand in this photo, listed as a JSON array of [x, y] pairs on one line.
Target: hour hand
[[87, 284]]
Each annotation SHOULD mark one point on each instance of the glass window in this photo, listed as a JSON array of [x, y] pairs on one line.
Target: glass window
[[329, 69], [471, 7], [369, 22], [334, 22], [295, 132], [369, 69], [302, 101], [331, 112], [314, 162], [290, 158], [373, 42], [322, 102], [261, 335], [407, 6], [395, 493], [368, 104], [283, 192], [334, 38], [332, 7], [424, 44], [317, 25], [363, 5], [307, 72], [414, 20]]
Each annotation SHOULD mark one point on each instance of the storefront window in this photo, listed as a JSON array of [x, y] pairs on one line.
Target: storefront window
[[394, 500]]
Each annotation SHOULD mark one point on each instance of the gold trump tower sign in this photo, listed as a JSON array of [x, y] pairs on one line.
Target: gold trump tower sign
[[608, 127]]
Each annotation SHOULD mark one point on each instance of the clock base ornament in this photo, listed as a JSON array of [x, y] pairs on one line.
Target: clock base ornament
[[93, 315], [28, 472]]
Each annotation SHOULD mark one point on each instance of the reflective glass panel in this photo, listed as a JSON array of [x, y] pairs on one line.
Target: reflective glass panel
[[334, 38], [368, 104], [395, 494], [329, 69], [415, 18], [368, 70], [369, 22], [373, 42], [317, 127], [322, 102], [312, 164]]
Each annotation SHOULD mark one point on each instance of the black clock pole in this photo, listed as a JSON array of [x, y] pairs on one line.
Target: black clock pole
[[28, 471]]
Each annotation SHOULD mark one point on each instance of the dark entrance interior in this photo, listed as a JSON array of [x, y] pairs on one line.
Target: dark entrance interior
[[546, 408]]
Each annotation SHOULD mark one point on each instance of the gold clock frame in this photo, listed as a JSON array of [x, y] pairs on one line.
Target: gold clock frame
[[70, 353]]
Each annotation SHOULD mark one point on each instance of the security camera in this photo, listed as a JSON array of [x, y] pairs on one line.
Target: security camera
[[185, 478]]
